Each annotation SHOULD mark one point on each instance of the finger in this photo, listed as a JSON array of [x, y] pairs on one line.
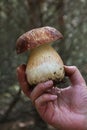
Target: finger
[[54, 90], [44, 99], [40, 89], [22, 79], [74, 74]]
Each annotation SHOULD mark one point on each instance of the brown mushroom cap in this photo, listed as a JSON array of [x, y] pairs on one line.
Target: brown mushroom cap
[[36, 37]]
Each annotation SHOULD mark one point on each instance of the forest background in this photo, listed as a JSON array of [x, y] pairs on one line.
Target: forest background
[[19, 16]]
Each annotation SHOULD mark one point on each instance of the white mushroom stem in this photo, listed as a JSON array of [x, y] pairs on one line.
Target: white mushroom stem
[[44, 63]]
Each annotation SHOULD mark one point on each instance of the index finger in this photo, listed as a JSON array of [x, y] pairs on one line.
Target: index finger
[[40, 89]]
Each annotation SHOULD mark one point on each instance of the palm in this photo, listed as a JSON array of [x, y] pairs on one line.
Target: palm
[[70, 105]]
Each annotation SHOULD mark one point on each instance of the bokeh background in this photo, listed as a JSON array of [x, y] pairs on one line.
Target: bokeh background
[[19, 16]]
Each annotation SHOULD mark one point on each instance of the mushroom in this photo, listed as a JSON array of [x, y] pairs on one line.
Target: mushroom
[[44, 62]]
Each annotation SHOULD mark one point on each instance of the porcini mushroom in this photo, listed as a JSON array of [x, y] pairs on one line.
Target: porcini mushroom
[[44, 62]]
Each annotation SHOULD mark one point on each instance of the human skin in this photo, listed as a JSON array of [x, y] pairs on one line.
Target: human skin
[[64, 109]]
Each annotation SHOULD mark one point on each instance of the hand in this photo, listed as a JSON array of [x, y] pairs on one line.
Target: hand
[[65, 109]]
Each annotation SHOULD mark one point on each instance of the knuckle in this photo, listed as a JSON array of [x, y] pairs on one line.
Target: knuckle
[[75, 67], [44, 96], [37, 103], [41, 86]]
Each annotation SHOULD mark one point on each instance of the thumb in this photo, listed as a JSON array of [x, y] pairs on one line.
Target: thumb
[[74, 75]]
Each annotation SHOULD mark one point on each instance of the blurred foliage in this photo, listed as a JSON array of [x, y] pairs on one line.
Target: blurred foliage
[[17, 17]]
